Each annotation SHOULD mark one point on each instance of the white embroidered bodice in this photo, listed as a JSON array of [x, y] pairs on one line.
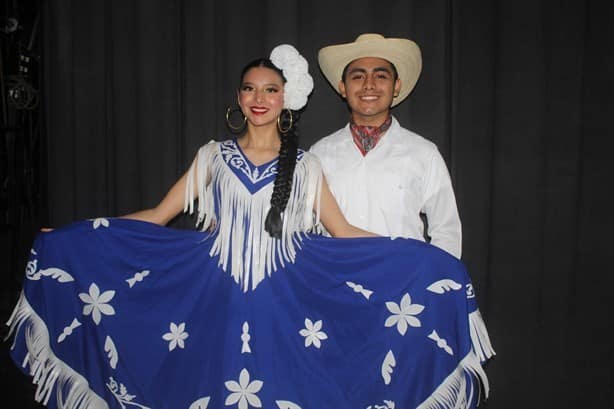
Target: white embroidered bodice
[[234, 199]]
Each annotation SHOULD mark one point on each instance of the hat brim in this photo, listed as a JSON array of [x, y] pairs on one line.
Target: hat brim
[[403, 53]]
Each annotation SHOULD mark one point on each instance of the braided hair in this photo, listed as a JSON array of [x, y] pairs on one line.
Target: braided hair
[[288, 151]]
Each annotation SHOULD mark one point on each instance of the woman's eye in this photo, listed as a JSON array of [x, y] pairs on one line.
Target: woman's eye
[[246, 88], [272, 90]]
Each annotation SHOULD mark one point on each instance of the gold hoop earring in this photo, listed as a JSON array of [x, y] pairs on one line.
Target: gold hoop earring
[[229, 112], [279, 126]]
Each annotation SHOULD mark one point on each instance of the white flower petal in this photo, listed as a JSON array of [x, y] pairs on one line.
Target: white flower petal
[[168, 336], [304, 332], [413, 321], [106, 296], [391, 321], [393, 307], [308, 324], [415, 309], [244, 378], [405, 302], [106, 309], [87, 309], [233, 386], [86, 298], [94, 291], [243, 403], [322, 335], [181, 327], [402, 327], [232, 398], [253, 400], [316, 342], [255, 386], [96, 315], [317, 326], [172, 344]]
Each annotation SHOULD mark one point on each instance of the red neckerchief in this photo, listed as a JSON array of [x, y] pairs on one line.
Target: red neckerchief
[[366, 137]]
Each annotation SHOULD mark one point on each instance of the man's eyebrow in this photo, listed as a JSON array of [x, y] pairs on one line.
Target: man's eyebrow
[[380, 69], [356, 69], [376, 69]]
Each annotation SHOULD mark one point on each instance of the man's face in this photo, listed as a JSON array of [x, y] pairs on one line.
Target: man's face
[[369, 88]]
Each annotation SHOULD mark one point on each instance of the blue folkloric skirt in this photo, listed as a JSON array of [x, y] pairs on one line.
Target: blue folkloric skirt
[[124, 314]]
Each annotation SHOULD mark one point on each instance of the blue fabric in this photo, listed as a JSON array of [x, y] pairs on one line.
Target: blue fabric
[[183, 284]]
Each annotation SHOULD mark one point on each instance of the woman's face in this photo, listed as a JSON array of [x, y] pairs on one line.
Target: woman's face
[[261, 96]]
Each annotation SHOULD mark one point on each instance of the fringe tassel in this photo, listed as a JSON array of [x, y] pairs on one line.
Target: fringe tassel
[[46, 369], [238, 216], [479, 337], [452, 393]]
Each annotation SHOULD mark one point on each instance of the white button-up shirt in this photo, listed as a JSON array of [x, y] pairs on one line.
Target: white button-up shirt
[[385, 191]]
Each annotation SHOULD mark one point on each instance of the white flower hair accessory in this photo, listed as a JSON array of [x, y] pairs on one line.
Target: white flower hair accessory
[[295, 68]]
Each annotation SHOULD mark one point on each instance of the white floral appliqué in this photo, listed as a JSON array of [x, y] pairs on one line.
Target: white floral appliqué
[[244, 392], [441, 342], [176, 336], [68, 330], [202, 403], [121, 394], [388, 367], [388, 404], [286, 404], [312, 333], [138, 277], [100, 221], [442, 286], [96, 303], [403, 314]]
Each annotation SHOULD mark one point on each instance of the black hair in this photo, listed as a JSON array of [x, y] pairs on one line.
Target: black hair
[[395, 73], [288, 151]]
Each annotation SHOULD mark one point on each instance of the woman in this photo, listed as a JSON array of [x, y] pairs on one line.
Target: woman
[[251, 311]]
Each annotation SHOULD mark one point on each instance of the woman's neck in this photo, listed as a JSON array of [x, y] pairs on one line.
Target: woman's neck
[[260, 145], [261, 138]]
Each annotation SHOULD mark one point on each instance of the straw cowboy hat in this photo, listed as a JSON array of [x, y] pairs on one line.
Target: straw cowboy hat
[[402, 53]]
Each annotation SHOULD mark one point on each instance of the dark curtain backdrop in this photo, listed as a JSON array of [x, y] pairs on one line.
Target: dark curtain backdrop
[[516, 94]]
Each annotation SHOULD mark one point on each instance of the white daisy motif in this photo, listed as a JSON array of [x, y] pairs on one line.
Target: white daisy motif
[[96, 303], [403, 314], [176, 336], [312, 333], [101, 221], [244, 392]]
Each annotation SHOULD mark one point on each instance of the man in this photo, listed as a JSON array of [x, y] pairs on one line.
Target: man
[[383, 175]]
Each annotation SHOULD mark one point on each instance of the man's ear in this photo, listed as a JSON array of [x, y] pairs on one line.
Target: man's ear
[[397, 87], [342, 89]]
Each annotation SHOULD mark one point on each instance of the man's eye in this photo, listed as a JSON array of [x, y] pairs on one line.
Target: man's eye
[[271, 90], [246, 88]]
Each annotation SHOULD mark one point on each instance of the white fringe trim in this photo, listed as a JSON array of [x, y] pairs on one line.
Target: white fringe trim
[[241, 239], [452, 393], [46, 369], [479, 337]]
